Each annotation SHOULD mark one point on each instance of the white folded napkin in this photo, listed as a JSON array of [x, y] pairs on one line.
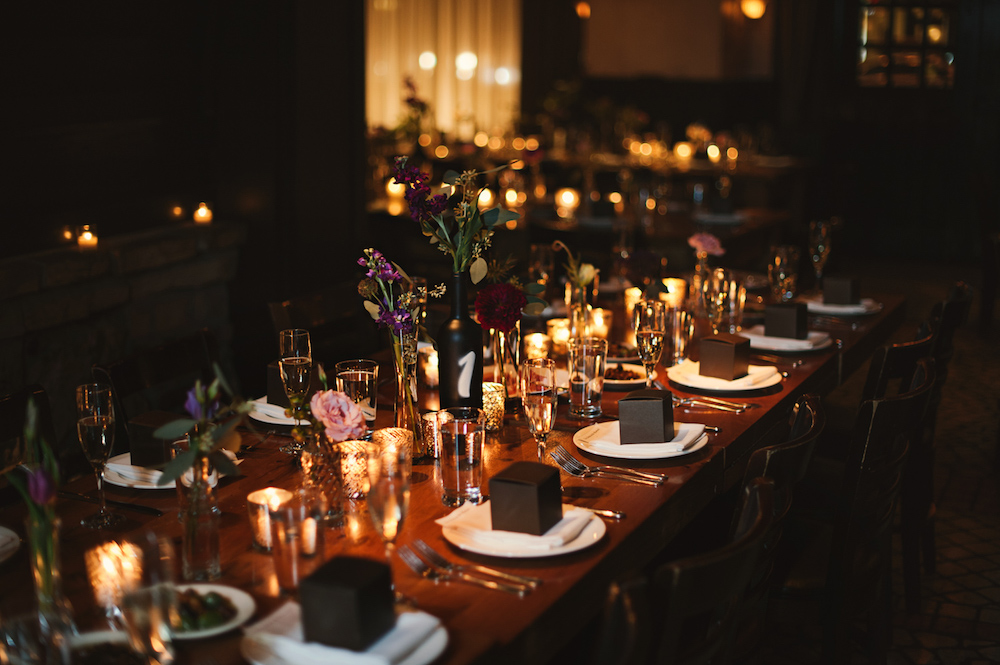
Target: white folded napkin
[[687, 373], [121, 465], [280, 634], [816, 305], [758, 339], [607, 437], [261, 405], [475, 523]]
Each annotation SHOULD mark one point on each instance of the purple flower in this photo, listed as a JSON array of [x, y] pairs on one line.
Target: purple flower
[[422, 208], [41, 487], [400, 320], [194, 406]]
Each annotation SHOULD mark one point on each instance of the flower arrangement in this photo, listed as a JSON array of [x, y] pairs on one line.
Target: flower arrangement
[[499, 306], [705, 244], [41, 476], [580, 274], [462, 232]]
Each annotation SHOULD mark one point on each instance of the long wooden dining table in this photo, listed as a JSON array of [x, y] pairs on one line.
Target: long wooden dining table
[[483, 625]]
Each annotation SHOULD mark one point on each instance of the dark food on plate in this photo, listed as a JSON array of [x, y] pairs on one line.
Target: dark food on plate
[[106, 654], [619, 350], [202, 611], [619, 373]]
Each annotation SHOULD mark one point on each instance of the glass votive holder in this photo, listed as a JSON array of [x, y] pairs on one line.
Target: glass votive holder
[[600, 322], [430, 428], [297, 540], [354, 468], [494, 397], [536, 345], [559, 335], [259, 505], [427, 366]]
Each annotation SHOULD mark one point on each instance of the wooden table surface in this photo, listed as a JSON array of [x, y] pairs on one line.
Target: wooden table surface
[[483, 625]]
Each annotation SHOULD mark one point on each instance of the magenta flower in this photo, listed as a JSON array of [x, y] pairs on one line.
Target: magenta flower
[[422, 208], [707, 243], [341, 417], [41, 487]]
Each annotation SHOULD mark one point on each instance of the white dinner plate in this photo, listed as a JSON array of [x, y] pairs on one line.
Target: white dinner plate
[[270, 414], [259, 653], [584, 440], [611, 384], [112, 477], [591, 533], [9, 543], [686, 374], [816, 305], [814, 341], [244, 603]]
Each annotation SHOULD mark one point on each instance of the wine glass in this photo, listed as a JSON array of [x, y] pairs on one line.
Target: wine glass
[[819, 247], [95, 425], [715, 292], [650, 319], [295, 365], [390, 460], [539, 394]]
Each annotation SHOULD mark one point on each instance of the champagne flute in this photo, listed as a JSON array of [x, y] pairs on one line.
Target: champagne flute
[[295, 364], [390, 461], [715, 292], [650, 319], [539, 394], [819, 248], [95, 426]]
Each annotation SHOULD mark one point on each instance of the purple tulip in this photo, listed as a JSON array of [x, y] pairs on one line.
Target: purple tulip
[[41, 487], [194, 407]]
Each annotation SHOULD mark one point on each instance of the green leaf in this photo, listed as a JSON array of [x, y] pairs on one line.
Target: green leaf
[[221, 378], [372, 309], [176, 467], [175, 429], [450, 177], [533, 288], [498, 215], [534, 308], [478, 269], [223, 464]]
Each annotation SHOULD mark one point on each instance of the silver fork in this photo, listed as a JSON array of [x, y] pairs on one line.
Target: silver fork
[[436, 559], [691, 401], [611, 469], [572, 466], [421, 568]]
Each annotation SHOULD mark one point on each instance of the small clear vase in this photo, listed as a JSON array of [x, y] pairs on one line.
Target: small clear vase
[[701, 273], [200, 520], [506, 358], [321, 474], [407, 416], [55, 614], [577, 311]]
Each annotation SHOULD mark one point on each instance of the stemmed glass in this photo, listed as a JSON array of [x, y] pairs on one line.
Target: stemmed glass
[[819, 248], [390, 461], [715, 292], [539, 394], [295, 364], [650, 319], [95, 425]]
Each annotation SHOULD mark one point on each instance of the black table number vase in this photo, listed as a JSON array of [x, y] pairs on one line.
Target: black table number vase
[[460, 352]]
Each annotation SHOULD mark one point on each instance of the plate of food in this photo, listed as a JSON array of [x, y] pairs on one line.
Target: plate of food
[[622, 353], [210, 609], [623, 376]]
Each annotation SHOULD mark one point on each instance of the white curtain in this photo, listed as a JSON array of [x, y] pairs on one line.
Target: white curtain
[[462, 102]]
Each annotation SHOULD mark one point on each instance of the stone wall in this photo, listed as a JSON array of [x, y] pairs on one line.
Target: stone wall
[[63, 310]]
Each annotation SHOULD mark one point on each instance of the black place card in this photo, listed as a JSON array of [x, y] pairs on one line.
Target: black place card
[[144, 448], [526, 497], [724, 356], [347, 602], [787, 320], [841, 291], [646, 416]]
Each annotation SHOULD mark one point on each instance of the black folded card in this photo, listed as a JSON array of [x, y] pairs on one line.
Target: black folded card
[[724, 356], [347, 602], [787, 320], [526, 497], [841, 291], [276, 389], [646, 416], [144, 448]]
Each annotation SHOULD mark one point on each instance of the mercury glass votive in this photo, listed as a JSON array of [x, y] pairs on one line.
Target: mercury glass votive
[[430, 429], [536, 345], [559, 334], [354, 468], [493, 405], [259, 505]]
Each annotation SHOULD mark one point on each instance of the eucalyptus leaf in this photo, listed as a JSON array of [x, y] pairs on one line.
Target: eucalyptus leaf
[[176, 467], [221, 378], [223, 464], [478, 269], [534, 308], [231, 441], [533, 288], [450, 177], [372, 309], [175, 429]]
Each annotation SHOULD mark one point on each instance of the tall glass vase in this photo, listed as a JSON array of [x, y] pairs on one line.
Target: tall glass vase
[[404, 355], [577, 311], [506, 358], [55, 614], [200, 518], [460, 352]]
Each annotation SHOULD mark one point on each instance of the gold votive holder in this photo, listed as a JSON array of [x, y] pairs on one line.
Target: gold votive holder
[[600, 322], [430, 429], [427, 366], [559, 335], [354, 468], [259, 505], [494, 397], [537, 345]]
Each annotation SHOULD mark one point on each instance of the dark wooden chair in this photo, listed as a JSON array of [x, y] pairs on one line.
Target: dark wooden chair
[[841, 566], [686, 613], [13, 408], [338, 324], [157, 379]]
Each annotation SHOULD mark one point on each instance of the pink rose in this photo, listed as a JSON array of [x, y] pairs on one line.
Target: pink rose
[[339, 414], [706, 242]]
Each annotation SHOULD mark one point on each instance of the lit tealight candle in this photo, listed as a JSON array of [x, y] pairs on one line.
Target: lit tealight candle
[[559, 334], [203, 215], [493, 405], [675, 292], [427, 365], [600, 322], [259, 505], [536, 345], [86, 238]]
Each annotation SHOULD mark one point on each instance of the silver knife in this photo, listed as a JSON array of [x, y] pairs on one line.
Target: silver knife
[[611, 514]]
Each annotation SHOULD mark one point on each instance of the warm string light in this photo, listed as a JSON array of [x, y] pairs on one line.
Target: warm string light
[[203, 215]]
